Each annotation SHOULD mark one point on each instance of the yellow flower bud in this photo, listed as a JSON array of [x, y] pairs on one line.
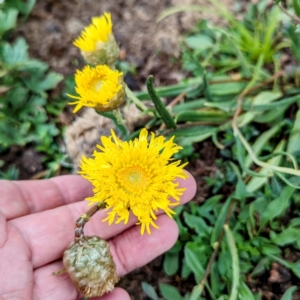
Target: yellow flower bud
[[99, 87], [97, 42]]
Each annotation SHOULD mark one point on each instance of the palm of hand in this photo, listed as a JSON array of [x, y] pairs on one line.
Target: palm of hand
[[36, 225]]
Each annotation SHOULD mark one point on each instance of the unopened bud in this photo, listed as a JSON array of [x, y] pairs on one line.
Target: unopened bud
[[91, 266]]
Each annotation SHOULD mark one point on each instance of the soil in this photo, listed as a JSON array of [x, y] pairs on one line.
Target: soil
[[152, 48]]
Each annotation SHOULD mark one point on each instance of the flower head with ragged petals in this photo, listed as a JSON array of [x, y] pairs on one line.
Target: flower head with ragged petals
[[99, 87], [137, 176], [97, 42]]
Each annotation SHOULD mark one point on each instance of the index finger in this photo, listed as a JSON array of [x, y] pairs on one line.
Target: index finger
[[20, 198]]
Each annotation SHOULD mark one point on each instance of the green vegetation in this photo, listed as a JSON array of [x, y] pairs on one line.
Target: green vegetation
[[243, 98], [243, 94], [26, 113]]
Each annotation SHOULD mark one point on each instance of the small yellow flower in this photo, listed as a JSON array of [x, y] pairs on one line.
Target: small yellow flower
[[97, 42], [137, 176], [99, 87]]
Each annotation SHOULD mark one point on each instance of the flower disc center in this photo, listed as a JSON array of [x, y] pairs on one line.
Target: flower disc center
[[97, 85], [133, 178]]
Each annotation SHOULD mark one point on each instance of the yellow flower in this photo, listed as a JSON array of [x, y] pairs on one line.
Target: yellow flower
[[99, 87], [97, 42], [137, 176]]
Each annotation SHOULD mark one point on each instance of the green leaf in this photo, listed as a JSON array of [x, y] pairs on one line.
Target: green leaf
[[288, 294], [294, 138], [268, 249], [212, 116], [260, 268], [220, 221], [49, 82], [296, 5], [199, 42], [160, 107], [169, 292], [277, 206], [244, 292], [185, 269], [8, 20], [262, 141], [257, 182], [171, 263], [235, 263], [197, 223], [193, 261], [191, 105], [240, 191], [286, 237], [149, 291], [26, 8], [206, 209], [14, 54], [196, 292]]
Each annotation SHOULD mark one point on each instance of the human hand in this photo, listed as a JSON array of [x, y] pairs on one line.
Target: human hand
[[37, 224]]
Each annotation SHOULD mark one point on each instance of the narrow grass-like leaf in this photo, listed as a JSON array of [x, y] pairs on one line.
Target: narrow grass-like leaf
[[293, 145], [211, 116], [207, 93], [296, 6], [160, 107], [287, 181], [255, 183], [182, 8], [265, 97], [288, 294], [220, 221], [201, 136], [235, 263], [172, 90], [134, 99], [294, 267], [196, 292], [261, 141], [241, 159], [195, 104], [260, 106]]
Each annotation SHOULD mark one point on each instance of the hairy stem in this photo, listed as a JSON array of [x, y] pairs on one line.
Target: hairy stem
[[82, 220]]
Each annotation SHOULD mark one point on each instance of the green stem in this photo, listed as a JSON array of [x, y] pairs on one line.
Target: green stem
[[134, 99], [83, 219]]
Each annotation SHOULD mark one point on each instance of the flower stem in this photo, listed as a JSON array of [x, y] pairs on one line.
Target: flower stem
[[82, 220]]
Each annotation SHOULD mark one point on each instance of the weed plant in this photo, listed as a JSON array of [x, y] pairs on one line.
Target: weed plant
[[26, 114], [243, 94]]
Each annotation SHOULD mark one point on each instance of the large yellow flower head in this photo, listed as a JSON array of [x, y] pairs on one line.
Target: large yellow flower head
[[97, 42], [137, 176], [99, 87]]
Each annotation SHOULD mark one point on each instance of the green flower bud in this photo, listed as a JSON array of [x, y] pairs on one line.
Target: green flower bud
[[91, 266]]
